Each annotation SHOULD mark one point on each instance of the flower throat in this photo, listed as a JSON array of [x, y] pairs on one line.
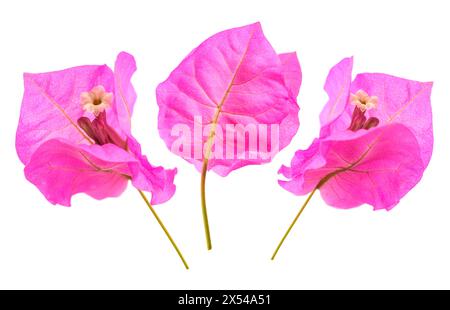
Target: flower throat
[[96, 102]]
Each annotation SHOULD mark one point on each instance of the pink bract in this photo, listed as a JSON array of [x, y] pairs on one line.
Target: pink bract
[[233, 78], [68, 149], [374, 156]]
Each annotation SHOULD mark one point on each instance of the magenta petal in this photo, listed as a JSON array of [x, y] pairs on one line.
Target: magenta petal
[[401, 101], [60, 170], [337, 87], [156, 180], [55, 137], [292, 72], [51, 106], [236, 75], [377, 168], [374, 155], [303, 162], [125, 95]]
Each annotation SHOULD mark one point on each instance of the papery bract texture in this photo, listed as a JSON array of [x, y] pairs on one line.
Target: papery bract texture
[[375, 155], [337, 87], [156, 180], [61, 169], [124, 92], [291, 72], [234, 78], [51, 106], [74, 135]]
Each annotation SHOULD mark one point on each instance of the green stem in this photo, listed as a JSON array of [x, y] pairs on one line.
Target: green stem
[[293, 222], [203, 197], [164, 229]]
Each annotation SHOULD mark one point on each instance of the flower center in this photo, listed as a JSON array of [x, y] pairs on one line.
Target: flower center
[[96, 101], [363, 102]]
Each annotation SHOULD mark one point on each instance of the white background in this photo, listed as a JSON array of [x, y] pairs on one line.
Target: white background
[[116, 243]]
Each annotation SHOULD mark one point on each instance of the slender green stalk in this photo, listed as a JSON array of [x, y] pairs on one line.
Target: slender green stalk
[[164, 228], [293, 223], [204, 211]]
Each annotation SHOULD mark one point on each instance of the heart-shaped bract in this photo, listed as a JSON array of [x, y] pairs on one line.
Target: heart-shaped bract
[[74, 136], [375, 142], [68, 148], [233, 99]]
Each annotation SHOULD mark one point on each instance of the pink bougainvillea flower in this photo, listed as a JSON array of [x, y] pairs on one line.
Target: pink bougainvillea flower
[[233, 99], [74, 136], [375, 142]]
